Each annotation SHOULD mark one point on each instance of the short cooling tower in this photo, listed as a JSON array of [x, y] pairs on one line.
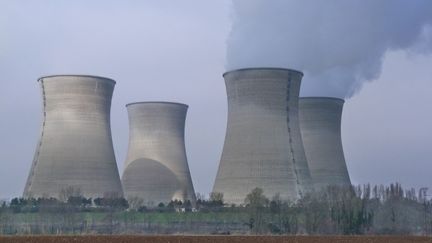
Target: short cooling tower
[[320, 124], [156, 168], [75, 148], [263, 146]]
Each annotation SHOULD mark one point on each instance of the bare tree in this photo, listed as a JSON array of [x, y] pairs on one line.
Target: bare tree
[[217, 197], [256, 202], [68, 192], [200, 196], [135, 203]]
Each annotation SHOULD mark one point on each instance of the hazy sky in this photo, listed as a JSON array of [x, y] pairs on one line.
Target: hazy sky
[[175, 51], [338, 44]]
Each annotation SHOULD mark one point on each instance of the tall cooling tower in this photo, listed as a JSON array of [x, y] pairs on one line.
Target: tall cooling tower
[[156, 168], [75, 148], [263, 146], [320, 124]]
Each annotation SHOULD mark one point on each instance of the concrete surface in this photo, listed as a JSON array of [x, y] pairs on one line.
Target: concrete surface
[[75, 148], [156, 168], [320, 125], [263, 146]]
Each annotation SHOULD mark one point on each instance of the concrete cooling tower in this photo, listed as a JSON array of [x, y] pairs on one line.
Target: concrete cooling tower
[[263, 146], [75, 148], [156, 168], [320, 124]]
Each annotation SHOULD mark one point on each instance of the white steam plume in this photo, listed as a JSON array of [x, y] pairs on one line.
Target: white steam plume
[[338, 44]]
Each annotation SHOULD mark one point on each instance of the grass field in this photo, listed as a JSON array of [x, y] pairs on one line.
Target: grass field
[[216, 239], [154, 217]]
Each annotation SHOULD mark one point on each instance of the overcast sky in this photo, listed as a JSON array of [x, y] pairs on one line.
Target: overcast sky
[[175, 51]]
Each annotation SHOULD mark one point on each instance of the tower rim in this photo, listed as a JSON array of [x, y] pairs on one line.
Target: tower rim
[[321, 98], [156, 102], [263, 68], [76, 75]]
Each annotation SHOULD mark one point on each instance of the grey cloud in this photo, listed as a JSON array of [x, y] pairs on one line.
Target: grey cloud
[[338, 44]]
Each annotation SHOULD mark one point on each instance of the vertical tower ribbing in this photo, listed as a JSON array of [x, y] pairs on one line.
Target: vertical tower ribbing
[[75, 147], [156, 168], [263, 146], [320, 124]]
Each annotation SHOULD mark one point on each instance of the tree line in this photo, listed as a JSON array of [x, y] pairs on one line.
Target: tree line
[[343, 210], [355, 210]]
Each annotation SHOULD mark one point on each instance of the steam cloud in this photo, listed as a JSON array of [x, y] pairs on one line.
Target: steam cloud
[[338, 44]]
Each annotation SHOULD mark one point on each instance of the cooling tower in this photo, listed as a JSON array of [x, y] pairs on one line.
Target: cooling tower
[[75, 148], [156, 168], [320, 124], [263, 146]]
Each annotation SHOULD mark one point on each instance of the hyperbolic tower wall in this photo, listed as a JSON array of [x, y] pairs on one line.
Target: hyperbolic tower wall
[[156, 168], [75, 148], [320, 124], [263, 146]]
